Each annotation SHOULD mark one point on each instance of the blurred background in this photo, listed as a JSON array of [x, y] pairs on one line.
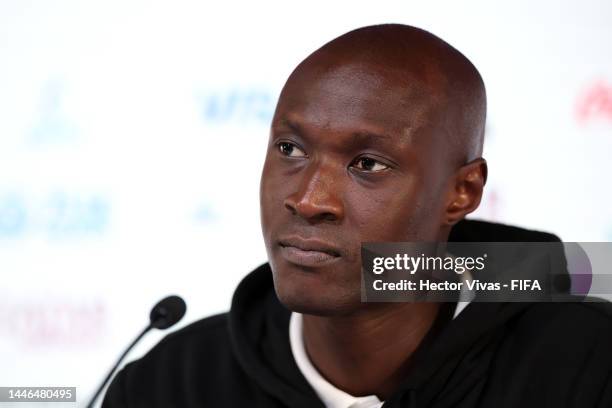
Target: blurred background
[[132, 135]]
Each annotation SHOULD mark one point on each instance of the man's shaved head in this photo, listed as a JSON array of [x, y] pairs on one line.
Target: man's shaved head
[[433, 75], [376, 137]]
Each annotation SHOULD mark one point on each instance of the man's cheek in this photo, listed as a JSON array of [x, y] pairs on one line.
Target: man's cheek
[[274, 191]]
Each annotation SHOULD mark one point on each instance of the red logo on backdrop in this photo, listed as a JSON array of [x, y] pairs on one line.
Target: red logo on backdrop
[[55, 323], [595, 103]]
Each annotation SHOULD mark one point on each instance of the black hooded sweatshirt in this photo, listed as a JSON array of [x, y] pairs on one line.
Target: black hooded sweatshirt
[[491, 355]]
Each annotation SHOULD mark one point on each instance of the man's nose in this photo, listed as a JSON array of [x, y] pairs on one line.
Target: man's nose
[[317, 197]]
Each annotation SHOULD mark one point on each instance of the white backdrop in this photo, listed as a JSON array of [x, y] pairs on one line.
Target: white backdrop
[[132, 135]]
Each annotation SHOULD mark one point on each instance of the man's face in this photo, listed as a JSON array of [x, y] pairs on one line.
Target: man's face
[[351, 159]]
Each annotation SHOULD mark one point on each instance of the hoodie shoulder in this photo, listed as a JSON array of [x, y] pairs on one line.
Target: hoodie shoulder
[[580, 321], [174, 371], [192, 339], [554, 354], [551, 330]]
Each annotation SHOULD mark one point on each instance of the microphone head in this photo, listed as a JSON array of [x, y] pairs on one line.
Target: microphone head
[[167, 312]]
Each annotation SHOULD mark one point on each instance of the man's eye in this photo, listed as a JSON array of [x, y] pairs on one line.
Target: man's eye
[[369, 164], [290, 150]]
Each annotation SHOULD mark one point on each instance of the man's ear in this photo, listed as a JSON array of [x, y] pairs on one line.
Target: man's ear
[[466, 190]]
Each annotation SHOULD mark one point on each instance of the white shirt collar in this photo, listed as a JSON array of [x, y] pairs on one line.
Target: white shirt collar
[[465, 295], [331, 396]]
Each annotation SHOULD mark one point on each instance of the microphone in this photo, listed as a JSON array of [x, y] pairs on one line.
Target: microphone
[[166, 313]]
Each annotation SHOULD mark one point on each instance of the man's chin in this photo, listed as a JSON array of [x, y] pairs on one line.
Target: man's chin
[[318, 303], [320, 291]]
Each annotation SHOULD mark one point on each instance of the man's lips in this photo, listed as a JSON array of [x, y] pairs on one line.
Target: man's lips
[[307, 252]]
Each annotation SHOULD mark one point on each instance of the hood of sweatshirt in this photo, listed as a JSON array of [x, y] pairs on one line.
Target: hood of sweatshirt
[[443, 370]]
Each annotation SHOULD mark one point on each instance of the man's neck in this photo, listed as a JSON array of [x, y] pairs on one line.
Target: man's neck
[[369, 352]]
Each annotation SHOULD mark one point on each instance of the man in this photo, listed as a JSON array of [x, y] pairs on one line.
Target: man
[[377, 136]]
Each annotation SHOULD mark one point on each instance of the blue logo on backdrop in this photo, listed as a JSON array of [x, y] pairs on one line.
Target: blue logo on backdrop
[[56, 215], [52, 125], [240, 106], [12, 216], [205, 214]]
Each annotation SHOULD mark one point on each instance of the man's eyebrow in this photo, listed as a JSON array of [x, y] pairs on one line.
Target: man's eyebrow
[[295, 127], [358, 137], [362, 138]]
